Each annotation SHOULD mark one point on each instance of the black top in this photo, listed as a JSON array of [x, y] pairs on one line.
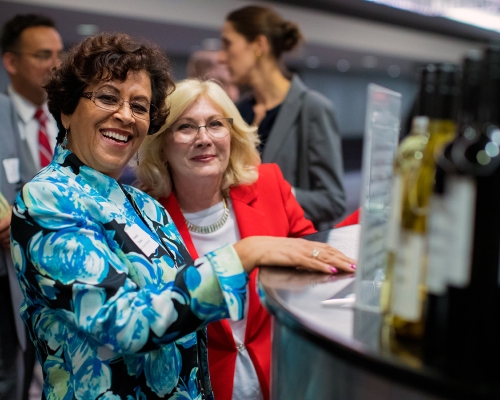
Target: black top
[[245, 107]]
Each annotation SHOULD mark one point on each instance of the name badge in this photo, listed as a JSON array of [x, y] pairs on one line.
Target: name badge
[[142, 239], [11, 167]]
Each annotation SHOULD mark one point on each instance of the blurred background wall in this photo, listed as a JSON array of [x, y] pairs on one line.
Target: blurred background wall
[[349, 43]]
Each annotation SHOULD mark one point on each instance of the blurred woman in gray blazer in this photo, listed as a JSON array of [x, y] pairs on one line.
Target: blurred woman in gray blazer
[[297, 125]]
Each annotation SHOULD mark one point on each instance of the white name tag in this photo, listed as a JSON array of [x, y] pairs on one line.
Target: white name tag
[[11, 167], [142, 239]]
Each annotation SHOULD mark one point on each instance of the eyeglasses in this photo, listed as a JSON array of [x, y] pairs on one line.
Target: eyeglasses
[[109, 101], [44, 55], [185, 132]]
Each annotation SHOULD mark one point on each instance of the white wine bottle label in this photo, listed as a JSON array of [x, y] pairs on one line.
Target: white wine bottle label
[[439, 225], [407, 274], [461, 199], [394, 225]]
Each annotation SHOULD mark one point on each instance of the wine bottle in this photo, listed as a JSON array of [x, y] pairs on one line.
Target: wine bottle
[[473, 317], [411, 260], [449, 250], [408, 157]]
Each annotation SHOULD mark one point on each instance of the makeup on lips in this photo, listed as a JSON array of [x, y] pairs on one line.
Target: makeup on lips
[[204, 157]]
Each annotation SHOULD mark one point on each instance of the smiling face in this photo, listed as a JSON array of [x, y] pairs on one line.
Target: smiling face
[[205, 159], [238, 54], [106, 140]]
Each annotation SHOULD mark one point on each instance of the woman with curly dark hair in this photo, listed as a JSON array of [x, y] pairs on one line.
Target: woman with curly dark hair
[[114, 303]]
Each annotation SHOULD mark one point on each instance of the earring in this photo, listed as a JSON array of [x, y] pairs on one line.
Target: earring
[[258, 53], [65, 140], [137, 158]]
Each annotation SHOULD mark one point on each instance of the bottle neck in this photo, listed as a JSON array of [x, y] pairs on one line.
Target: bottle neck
[[442, 127], [420, 125], [441, 132]]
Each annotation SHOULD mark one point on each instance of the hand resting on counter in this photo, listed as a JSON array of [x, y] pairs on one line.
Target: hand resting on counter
[[290, 252]]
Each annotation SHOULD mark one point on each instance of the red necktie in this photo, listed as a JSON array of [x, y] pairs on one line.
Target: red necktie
[[43, 140]]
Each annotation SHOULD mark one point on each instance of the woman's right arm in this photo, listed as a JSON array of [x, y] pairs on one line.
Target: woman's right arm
[[69, 272]]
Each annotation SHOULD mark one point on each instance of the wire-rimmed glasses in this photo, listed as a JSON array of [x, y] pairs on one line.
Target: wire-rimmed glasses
[[44, 56], [186, 132], [110, 101]]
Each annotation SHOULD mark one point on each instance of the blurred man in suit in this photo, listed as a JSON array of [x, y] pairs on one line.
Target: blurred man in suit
[[205, 64], [31, 47]]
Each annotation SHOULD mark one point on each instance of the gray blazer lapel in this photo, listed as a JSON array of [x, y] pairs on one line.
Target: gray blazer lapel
[[288, 113], [28, 167], [9, 147]]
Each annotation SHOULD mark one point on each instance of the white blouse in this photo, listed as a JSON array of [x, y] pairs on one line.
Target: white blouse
[[246, 382]]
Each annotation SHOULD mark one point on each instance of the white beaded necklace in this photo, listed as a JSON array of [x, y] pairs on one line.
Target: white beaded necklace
[[210, 228]]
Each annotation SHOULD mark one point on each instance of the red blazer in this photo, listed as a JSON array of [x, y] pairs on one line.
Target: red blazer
[[351, 219], [267, 208]]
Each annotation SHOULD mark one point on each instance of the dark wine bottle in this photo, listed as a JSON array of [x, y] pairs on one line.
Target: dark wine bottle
[[449, 253], [473, 314]]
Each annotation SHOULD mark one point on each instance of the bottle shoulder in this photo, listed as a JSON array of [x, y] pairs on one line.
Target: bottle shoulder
[[410, 151]]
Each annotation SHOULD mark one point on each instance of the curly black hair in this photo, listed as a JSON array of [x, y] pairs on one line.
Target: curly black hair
[[109, 56]]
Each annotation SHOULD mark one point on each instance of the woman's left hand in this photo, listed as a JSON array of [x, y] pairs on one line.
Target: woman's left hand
[[290, 252]]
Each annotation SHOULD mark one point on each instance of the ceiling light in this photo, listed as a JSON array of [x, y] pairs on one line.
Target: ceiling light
[[369, 61], [87, 29], [312, 62], [427, 7], [484, 14], [475, 17], [394, 71], [438, 7], [343, 65]]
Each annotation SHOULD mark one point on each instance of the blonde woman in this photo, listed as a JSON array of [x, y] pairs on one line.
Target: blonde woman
[[204, 168]]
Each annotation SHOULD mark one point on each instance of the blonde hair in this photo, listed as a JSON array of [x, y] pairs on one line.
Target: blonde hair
[[153, 174]]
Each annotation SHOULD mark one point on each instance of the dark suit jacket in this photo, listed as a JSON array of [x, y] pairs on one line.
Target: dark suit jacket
[[12, 147], [268, 208], [305, 142]]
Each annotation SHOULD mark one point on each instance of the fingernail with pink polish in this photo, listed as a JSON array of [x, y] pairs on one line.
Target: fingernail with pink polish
[[334, 270], [353, 266]]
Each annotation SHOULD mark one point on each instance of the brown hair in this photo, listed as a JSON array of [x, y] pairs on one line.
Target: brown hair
[[252, 21], [109, 57]]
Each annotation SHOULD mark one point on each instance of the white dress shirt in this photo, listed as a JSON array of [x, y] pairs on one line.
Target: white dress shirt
[[246, 382], [28, 125]]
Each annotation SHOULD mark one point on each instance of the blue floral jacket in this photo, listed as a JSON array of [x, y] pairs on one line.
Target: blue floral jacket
[[113, 302]]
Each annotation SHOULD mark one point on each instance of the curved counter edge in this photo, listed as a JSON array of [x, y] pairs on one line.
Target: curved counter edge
[[278, 288]]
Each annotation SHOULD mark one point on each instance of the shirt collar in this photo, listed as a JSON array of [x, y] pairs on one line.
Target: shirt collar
[[25, 109], [101, 182]]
